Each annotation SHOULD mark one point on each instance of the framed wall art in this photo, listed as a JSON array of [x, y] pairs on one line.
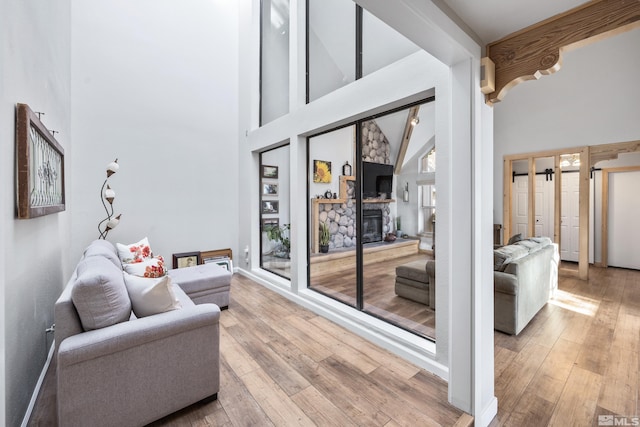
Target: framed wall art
[[270, 223], [270, 206], [321, 171], [269, 189], [39, 167], [269, 171]]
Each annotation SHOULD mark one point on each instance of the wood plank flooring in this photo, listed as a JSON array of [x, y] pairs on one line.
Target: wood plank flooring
[[576, 360], [282, 365], [380, 298]]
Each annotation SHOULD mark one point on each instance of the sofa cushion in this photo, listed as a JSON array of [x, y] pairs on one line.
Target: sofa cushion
[[151, 296], [415, 270], [543, 241], [505, 254], [151, 267], [134, 252], [99, 249], [99, 294], [515, 238]]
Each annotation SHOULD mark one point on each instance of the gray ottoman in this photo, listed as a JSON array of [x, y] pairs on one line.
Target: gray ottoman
[[206, 283], [412, 282]]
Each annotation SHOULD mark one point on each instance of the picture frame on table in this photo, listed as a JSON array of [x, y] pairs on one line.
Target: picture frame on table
[[186, 259], [215, 255], [269, 189], [270, 206], [269, 171], [225, 263]]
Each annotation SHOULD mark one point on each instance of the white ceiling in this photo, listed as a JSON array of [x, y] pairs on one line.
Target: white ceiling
[[491, 20]]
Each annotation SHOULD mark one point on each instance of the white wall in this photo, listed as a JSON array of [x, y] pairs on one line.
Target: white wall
[[34, 69], [593, 99], [155, 85], [335, 147]]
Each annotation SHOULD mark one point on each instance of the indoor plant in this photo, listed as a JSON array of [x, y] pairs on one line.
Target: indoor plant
[[324, 237], [280, 235]]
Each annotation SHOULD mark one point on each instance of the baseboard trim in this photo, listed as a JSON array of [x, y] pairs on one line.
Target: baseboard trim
[[488, 414], [36, 390]]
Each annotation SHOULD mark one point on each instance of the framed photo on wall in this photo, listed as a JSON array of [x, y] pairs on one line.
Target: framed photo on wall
[[269, 189], [270, 206], [270, 223], [269, 171]]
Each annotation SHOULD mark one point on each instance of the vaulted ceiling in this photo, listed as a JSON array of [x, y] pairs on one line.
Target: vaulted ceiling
[[491, 20]]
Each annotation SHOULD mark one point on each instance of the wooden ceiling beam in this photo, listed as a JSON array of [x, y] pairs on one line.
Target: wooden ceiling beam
[[537, 50], [406, 137]]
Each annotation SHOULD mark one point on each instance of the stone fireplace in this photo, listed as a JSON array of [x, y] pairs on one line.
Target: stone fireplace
[[371, 225]]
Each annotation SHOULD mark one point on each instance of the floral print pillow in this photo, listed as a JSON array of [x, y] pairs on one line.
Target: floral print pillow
[[150, 268], [135, 252]]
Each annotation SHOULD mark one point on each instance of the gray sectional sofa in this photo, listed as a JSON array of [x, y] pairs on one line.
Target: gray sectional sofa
[[114, 368], [525, 277]]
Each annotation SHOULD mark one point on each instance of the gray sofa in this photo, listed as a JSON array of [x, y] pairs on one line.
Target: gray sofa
[[116, 369], [525, 277]]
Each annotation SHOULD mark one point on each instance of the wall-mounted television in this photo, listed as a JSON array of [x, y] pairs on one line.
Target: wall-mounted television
[[376, 179]]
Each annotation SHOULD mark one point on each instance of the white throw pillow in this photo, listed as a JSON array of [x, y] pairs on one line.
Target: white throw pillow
[[150, 296], [135, 252], [150, 268]]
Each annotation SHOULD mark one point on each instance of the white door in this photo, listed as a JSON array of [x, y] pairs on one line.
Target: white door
[[624, 220], [520, 206], [544, 207], [570, 217]]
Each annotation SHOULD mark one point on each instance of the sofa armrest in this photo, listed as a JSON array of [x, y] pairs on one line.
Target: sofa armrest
[[505, 283], [134, 333], [136, 372]]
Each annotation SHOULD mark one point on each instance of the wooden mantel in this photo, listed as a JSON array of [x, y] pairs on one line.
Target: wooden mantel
[[537, 50]]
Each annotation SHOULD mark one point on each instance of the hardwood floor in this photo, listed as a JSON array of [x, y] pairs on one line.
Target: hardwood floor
[[577, 359], [380, 298], [282, 365]]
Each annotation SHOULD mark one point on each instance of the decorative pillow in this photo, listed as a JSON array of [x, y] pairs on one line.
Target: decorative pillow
[[151, 296], [135, 252], [99, 294], [150, 268], [515, 238], [505, 254]]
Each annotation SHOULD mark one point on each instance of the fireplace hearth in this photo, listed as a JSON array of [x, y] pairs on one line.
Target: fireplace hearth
[[371, 225]]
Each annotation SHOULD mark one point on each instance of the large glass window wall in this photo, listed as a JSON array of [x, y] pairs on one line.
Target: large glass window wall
[[345, 43], [365, 228], [274, 60]]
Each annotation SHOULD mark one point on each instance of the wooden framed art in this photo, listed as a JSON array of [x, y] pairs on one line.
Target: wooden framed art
[[39, 167], [208, 256], [186, 259]]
